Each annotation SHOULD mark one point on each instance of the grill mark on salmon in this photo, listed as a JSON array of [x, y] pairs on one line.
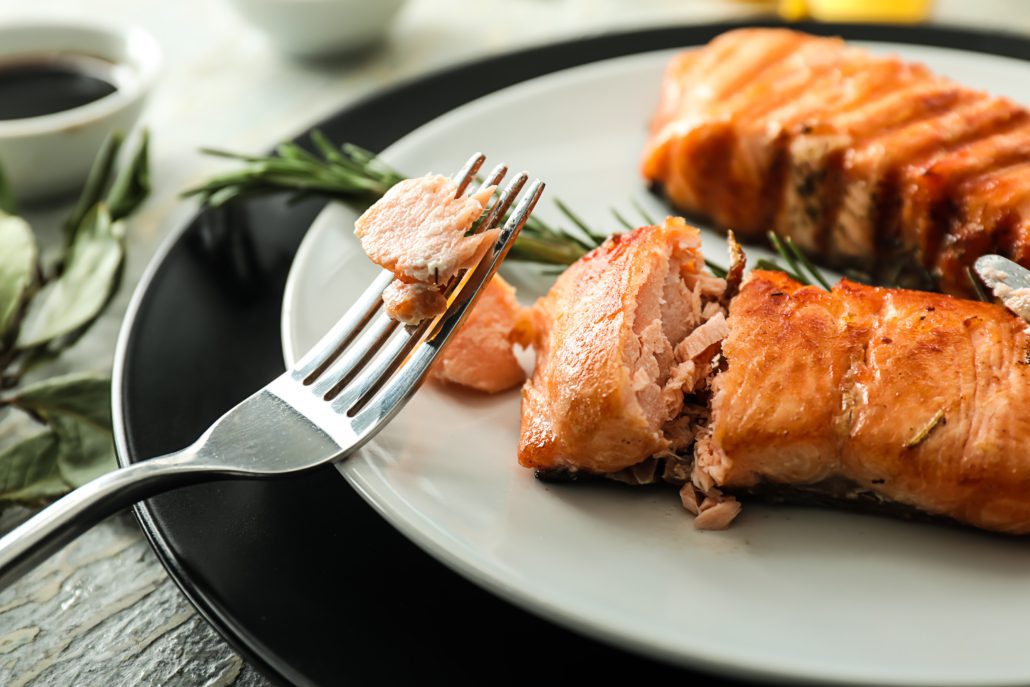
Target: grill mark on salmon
[[873, 171], [929, 187], [823, 145]]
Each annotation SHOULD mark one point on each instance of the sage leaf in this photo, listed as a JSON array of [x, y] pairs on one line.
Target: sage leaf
[[132, 184], [83, 396], [92, 273], [29, 470], [77, 408], [84, 450], [96, 184], [17, 267], [7, 202]]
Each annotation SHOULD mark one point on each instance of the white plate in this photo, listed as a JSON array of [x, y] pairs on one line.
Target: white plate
[[800, 593]]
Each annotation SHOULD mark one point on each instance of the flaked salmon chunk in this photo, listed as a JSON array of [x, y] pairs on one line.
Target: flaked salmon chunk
[[420, 231], [412, 303], [480, 356], [417, 230]]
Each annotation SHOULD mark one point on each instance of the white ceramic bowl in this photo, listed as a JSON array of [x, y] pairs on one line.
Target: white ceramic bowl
[[51, 154], [320, 28]]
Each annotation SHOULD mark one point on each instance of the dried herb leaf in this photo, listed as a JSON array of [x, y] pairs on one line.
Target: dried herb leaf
[[96, 184], [29, 470], [17, 267], [132, 184], [91, 275], [7, 203], [84, 396], [924, 431], [84, 450]]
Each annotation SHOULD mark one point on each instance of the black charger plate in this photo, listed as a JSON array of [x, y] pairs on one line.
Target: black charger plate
[[300, 575]]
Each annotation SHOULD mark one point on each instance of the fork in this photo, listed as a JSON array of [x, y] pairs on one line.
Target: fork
[[332, 401]]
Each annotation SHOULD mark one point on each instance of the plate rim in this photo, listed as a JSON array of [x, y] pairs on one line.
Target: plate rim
[[984, 41]]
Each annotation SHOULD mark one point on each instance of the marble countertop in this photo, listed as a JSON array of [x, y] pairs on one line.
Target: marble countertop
[[103, 611]]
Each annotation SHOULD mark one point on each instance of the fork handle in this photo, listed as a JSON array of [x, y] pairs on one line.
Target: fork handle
[[42, 535]]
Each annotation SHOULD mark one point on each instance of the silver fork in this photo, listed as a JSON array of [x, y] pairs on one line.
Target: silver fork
[[337, 397]]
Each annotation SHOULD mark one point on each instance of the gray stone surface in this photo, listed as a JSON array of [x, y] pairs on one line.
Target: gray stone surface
[[103, 612]]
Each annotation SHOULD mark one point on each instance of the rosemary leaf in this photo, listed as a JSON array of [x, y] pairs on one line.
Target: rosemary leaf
[[643, 213], [572, 217], [131, 184], [765, 264], [806, 263], [325, 147], [292, 151], [715, 269], [780, 247], [924, 431], [530, 248], [622, 220]]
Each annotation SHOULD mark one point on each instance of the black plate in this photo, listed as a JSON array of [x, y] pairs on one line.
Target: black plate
[[300, 575]]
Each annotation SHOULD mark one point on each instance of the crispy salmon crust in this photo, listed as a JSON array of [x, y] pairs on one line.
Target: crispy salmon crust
[[867, 162], [919, 399]]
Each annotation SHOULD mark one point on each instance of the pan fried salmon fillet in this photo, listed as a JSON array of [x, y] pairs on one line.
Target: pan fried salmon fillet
[[882, 395], [867, 162], [895, 401]]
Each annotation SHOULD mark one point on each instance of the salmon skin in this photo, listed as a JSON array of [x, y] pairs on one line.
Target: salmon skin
[[869, 163]]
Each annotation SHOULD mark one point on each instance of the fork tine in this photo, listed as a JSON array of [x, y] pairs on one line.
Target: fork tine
[[355, 358], [468, 172], [497, 210], [495, 177], [392, 389], [343, 333], [389, 358], [329, 348], [370, 380]]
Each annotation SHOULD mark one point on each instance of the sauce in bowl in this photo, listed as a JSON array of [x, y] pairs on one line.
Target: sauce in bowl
[[32, 86]]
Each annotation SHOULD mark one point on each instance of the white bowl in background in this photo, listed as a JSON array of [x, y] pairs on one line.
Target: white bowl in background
[[51, 154], [320, 28]]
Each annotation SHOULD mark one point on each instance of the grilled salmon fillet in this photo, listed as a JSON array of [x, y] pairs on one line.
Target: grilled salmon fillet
[[896, 401], [867, 162], [887, 396]]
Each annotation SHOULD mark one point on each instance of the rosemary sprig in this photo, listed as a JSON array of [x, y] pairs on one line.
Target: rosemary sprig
[[800, 268], [356, 176], [349, 173]]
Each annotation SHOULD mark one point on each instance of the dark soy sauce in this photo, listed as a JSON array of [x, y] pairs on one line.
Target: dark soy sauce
[[33, 86]]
